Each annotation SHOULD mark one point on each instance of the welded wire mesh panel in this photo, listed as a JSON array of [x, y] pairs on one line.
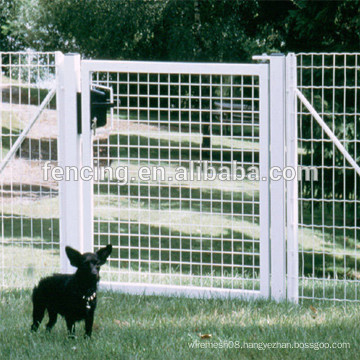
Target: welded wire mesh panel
[[177, 216], [329, 208], [29, 219]]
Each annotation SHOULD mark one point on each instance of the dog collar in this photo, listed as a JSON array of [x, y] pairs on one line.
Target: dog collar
[[88, 299]]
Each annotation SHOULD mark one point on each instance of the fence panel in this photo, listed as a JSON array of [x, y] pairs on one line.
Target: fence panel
[[172, 233], [329, 208], [29, 219]]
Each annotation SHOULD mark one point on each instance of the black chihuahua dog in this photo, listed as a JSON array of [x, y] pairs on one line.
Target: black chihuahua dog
[[72, 296]]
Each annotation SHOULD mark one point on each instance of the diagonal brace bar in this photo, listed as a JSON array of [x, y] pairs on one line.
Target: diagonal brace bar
[[28, 127], [328, 131]]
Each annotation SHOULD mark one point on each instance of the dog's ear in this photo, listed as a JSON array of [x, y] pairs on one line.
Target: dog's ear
[[74, 256], [104, 253]]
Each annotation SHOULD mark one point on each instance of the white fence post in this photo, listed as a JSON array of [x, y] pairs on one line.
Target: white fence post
[[68, 84], [277, 187], [292, 185]]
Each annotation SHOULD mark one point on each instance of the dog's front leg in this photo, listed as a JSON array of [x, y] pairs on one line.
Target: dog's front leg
[[89, 320], [70, 323]]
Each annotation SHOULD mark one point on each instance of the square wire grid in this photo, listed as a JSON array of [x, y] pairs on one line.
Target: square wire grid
[[172, 230], [329, 208], [29, 218]]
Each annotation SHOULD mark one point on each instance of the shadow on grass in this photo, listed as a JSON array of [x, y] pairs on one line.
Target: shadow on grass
[[146, 148], [175, 197], [8, 138], [38, 232], [139, 243], [23, 95], [329, 265]]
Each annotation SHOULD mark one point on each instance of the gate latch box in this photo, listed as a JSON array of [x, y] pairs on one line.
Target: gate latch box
[[100, 103]]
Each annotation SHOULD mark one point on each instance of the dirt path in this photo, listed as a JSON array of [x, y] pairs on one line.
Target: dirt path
[[40, 145]]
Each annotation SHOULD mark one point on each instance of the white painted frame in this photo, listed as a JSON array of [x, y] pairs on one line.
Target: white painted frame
[[261, 70]]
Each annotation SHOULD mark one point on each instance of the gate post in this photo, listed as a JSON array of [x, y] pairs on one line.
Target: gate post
[[68, 84], [292, 185], [277, 186]]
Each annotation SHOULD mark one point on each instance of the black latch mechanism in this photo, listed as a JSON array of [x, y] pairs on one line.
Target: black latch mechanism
[[99, 104]]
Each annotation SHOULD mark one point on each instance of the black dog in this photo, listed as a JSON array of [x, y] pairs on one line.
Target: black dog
[[72, 296]]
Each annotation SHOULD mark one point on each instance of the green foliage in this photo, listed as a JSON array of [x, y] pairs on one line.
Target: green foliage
[[196, 30], [193, 30], [324, 26], [228, 30], [206, 30], [95, 28], [8, 13]]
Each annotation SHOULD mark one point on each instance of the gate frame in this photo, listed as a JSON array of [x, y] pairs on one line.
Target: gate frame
[[261, 70]]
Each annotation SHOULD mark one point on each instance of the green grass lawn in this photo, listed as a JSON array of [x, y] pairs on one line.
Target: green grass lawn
[[132, 218], [150, 327]]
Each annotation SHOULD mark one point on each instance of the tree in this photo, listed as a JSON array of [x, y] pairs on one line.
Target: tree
[[223, 31], [95, 28], [324, 26], [212, 30], [8, 13]]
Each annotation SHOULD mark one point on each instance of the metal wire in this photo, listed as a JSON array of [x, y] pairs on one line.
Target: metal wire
[[29, 206], [191, 233], [329, 208]]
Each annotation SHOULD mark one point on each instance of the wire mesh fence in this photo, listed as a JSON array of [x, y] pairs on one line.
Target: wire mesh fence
[[179, 228], [29, 216], [168, 224], [329, 208]]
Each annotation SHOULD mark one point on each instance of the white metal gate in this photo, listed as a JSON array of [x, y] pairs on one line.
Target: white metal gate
[[191, 235], [182, 236]]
